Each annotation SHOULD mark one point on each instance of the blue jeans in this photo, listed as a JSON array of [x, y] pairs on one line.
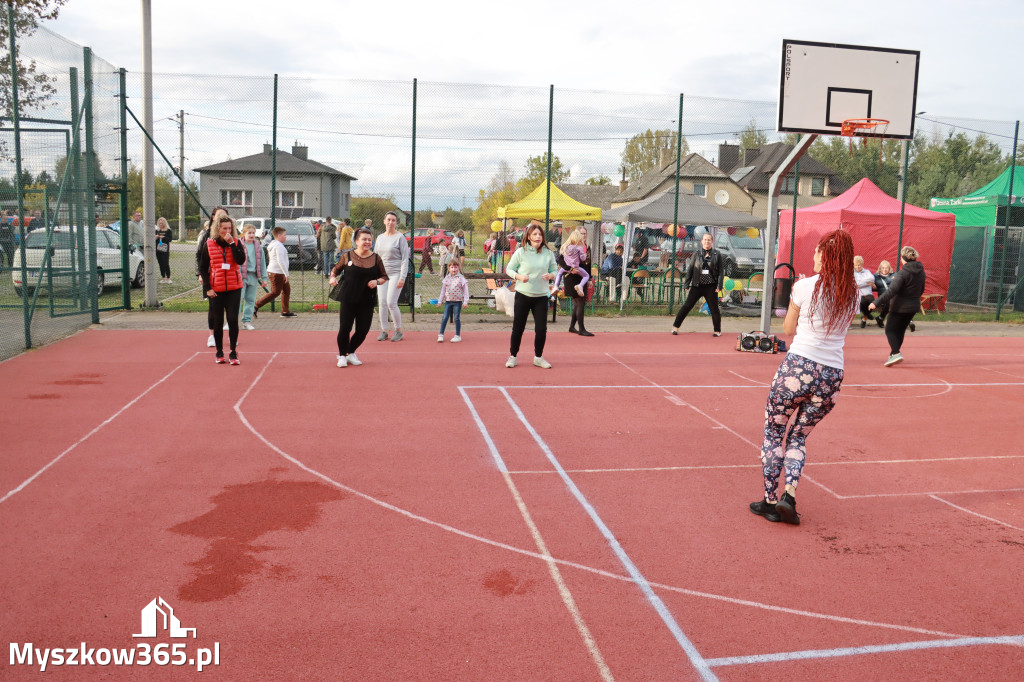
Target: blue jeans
[[328, 262], [454, 310]]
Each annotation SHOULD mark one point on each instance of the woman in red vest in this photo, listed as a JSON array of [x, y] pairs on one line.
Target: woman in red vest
[[222, 281]]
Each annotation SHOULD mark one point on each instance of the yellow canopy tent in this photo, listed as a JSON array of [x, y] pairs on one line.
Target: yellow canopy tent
[[563, 207]]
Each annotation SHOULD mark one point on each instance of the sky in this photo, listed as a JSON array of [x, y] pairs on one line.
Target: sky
[[723, 51]]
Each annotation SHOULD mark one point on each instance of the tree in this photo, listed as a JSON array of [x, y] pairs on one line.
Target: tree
[[537, 170], [598, 180], [643, 151], [374, 208], [34, 89], [455, 220], [951, 167], [752, 137]]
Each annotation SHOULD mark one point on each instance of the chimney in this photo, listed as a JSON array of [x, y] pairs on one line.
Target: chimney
[[664, 158], [267, 149], [300, 151], [623, 184], [728, 156]]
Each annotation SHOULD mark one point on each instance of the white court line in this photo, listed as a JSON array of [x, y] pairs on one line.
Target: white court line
[[691, 651], [542, 548], [1013, 640], [997, 371], [94, 431], [813, 465], [934, 384], [772, 608], [934, 492], [753, 381], [974, 513]]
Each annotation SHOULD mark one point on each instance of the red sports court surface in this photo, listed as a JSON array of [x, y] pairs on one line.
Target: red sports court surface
[[434, 515]]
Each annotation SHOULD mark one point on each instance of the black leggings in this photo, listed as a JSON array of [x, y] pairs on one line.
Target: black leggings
[[524, 305], [709, 294], [225, 303], [579, 305], [865, 301], [361, 314], [164, 259], [896, 328]]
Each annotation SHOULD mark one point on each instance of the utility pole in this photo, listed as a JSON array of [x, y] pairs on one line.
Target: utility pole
[[148, 188], [181, 172]]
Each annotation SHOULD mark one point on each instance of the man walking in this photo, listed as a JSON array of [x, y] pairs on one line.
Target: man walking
[[326, 237]]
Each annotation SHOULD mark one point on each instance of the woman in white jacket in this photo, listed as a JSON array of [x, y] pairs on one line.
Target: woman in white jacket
[[393, 250]]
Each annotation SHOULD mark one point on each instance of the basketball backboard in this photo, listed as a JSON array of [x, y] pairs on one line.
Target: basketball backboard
[[824, 84]]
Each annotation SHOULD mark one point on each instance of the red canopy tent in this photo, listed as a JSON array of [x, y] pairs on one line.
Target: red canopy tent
[[872, 218]]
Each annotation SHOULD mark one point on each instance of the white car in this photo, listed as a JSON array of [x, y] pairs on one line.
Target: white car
[[63, 262]]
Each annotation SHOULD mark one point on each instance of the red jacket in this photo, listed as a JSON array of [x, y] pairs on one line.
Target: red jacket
[[221, 279]]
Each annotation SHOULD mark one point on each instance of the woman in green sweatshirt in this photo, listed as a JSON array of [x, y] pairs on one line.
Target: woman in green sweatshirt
[[532, 267]]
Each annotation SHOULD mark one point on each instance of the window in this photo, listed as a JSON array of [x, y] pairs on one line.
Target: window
[[700, 189], [236, 197], [787, 184], [723, 241], [817, 187], [290, 199]]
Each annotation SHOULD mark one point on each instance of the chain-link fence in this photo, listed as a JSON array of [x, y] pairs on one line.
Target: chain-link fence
[[448, 157]]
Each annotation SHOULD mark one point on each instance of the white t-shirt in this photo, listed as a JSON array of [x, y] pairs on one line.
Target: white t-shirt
[[811, 341], [864, 280]]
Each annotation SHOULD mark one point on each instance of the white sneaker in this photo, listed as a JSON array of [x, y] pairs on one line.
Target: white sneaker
[[225, 326], [542, 363], [353, 360], [511, 362], [210, 343], [248, 325], [170, 281], [456, 338], [894, 359], [579, 290], [440, 338], [342, 361]]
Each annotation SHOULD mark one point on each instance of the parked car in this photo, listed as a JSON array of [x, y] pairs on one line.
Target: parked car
[[440, 237], [300, 241], [743, 255], [262, 225], [63, 248]]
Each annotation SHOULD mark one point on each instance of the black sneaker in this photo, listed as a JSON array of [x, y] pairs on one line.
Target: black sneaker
[[287, 314], [765, 509], [913, 327], [880, 322], [786, 509]]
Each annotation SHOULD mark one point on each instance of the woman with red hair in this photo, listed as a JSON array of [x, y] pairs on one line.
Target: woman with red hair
[[807, 382]]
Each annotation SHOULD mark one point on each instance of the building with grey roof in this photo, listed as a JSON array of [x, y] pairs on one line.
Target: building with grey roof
[[304, 187]]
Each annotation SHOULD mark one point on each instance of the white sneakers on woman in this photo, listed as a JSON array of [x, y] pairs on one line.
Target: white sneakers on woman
[[542, 363], [350, 359]]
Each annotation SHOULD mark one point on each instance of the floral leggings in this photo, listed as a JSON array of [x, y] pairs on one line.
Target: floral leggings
[[808, 389]]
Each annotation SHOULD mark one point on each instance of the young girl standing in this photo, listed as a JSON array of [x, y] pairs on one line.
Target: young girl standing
[[808, 381], [454, 294]]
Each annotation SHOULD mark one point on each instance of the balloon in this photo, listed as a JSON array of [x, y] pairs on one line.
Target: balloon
[[753, 232], [732, 231], [496, 226], [780, 312], [699, 231], [670, 230], [689, 231], [619, 230], [729, 284]]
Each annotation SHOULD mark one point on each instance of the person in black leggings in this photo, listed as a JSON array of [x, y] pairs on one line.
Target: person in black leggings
[[569, 282], [904, 299], [704, 279], [363, 272]]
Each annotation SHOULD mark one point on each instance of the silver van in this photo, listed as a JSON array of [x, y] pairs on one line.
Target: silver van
[[744, 255]]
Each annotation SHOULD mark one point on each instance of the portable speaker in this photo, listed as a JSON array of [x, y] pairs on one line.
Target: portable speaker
[[759, 342]]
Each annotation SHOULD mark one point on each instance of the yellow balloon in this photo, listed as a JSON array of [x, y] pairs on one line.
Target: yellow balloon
[[496, 226], [753, 232], [671, 230]]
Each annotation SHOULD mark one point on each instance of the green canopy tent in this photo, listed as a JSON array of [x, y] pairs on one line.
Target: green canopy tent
[[982, 240]]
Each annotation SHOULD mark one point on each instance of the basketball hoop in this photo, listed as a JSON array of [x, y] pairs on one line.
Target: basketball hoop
[[863, 127]]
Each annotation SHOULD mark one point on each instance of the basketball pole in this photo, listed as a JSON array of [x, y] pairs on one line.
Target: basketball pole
[[770, 254]]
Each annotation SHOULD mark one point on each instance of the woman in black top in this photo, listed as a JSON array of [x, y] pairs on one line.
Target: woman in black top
[[363, 271], [569, 282], [163, 250], [904, 300], [704, 279]]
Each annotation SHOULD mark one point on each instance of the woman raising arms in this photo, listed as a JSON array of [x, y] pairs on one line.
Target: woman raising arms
[[807, 382]]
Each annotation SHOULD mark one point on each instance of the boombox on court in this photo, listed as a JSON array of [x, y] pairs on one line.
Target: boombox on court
[[759, 342]]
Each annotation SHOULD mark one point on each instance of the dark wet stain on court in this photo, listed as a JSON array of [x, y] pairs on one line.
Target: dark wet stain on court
[[244, 513], [504, 583]]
